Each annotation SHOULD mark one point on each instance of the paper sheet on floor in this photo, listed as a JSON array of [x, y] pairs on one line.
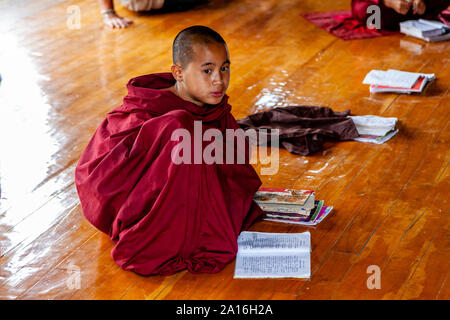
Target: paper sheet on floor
[[273, 255], [374, 125]]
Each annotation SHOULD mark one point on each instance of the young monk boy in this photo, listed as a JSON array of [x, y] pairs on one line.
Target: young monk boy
[[163, 216]]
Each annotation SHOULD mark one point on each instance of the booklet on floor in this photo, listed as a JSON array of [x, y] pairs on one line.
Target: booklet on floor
[[397, 81], [273, 255], [428, 30]]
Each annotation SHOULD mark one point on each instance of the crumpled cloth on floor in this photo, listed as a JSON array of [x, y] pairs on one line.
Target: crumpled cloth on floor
[[302, 129]]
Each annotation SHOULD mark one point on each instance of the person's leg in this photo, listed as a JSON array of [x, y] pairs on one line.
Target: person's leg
[[389, 18], [140, 5], [180, 5], [434, 8], [160, 5]]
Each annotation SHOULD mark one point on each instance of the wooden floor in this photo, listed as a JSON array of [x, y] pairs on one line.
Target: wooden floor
[[391, 201]]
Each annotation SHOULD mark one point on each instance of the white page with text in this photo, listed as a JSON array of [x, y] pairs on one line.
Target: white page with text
[[273, 255]]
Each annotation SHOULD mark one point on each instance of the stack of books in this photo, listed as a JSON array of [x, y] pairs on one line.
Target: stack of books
[[374, 129], [428, 30], [291, 206], [397, 81]]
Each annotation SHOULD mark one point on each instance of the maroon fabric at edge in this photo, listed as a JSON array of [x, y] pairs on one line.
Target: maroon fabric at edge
[[351, 24], [343, 25], [390, 19]]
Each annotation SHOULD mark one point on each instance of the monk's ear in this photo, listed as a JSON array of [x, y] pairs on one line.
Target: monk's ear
[[177, 72]]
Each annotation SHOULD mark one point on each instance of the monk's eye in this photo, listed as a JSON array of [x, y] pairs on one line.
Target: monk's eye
[[207, 71], [225, 68]]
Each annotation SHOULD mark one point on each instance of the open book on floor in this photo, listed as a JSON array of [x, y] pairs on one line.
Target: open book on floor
[[273, 255]]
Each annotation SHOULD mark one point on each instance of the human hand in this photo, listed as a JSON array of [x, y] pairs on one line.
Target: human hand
[[113, 20], [400, 6], [418, 7]]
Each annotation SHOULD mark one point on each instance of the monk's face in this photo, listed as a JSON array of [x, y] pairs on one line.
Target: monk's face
[[205, 79]]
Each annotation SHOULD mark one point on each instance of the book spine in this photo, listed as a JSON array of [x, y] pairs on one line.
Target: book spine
[[284, 209]]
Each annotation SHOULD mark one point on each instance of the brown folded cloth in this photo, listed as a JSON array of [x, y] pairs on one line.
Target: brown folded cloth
[[303, 129]]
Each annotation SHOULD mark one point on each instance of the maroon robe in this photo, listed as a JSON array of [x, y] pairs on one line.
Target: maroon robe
[[164, 217], [390, 19]]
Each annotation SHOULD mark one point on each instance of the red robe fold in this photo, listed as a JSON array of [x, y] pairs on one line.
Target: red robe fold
[[164, 217]]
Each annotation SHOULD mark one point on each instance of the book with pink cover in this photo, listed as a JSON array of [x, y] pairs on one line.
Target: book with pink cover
[[417, 87], [397, 81]]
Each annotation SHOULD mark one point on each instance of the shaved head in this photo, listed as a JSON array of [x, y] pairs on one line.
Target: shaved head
[[183, 45]]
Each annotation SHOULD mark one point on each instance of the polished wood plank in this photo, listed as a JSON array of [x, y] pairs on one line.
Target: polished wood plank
[[398, 216]]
